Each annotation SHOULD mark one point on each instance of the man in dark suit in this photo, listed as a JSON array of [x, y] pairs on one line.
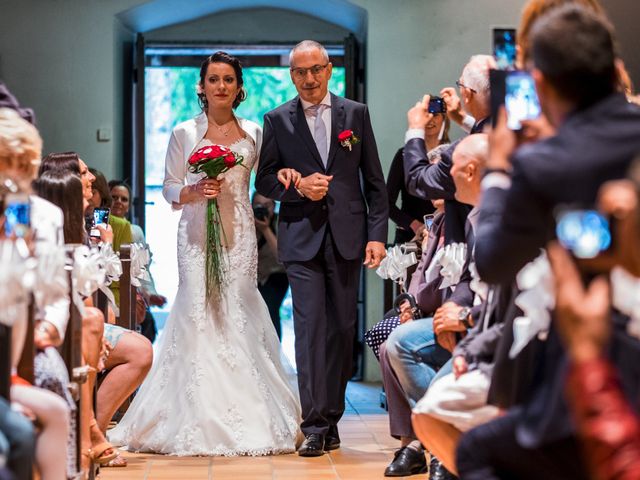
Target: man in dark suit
[[428, 181], [597, 137], [334, 208]]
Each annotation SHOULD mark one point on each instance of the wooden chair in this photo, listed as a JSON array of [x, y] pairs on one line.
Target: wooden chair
[[25, 365]]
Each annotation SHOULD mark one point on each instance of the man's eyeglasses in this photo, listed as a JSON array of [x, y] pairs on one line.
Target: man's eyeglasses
[[302, 72], [459, 84]]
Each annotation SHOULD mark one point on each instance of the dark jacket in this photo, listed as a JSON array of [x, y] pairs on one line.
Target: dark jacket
[[355, 208]]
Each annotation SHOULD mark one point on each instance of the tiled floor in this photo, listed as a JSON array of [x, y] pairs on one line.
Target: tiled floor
[[366, 450]]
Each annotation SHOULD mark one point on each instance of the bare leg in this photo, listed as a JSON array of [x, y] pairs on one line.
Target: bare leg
[[439, 438], [53, 414], [128, 365]]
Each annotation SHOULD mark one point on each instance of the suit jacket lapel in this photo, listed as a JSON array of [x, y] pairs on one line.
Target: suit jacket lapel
[[302, 127], [337, 125]]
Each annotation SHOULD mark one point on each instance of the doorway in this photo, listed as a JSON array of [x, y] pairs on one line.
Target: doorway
[[171, 73]]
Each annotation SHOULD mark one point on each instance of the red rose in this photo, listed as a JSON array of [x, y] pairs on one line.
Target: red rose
[[345, 135], [230, 160]]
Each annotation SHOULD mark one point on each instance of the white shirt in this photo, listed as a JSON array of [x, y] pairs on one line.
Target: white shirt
[[326, 116]]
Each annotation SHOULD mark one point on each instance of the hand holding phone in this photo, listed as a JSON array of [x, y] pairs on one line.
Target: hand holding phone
[[585, 233], [100, 217], [504, 47], [428, 221]]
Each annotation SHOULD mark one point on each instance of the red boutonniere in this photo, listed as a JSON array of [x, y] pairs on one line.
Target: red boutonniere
[[348, 139]]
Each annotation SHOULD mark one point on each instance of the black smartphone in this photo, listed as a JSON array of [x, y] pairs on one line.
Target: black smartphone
[[585, 233], [17, 212], [100, 217], [497, 87], [504, 47], [520, 98], [428, 221], [437, 105]]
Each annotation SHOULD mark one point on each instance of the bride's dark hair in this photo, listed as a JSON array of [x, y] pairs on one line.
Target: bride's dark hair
[[222, 57]]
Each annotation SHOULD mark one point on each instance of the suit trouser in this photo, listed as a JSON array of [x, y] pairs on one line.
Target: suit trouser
[[399, 409], [491, 451], [325, 294]]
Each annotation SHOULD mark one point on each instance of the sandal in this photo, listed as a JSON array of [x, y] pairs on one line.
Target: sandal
[[118, 461], [97, 453]]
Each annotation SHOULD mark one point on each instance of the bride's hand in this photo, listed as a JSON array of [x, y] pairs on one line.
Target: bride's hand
[[208, 188]]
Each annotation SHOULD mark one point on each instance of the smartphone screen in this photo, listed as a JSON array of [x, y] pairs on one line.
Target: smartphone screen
[[585, 233], [18, 215], [437, 105], [428, 221], [520, 99], [100, 217], [504, 47]]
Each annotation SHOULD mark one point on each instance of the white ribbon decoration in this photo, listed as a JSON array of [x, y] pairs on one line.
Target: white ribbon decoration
[[16, 280], [452, 262], [394, 266], [112, 266], [477, 286], [87, 275], [536, 300], [139, 261], [51, 282], [626, 298]]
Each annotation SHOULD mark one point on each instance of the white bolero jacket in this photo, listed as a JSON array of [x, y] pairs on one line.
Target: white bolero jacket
[[184, 139]]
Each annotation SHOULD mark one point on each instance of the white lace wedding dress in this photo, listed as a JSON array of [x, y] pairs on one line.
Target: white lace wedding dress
[[218, 385]]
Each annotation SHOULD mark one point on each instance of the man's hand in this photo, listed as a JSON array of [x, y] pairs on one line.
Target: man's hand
[[460, 366], [374, 253], [141, 308], [582, 315], [418, 116], [418, 227], [315, 186], [405, 312], [446, 319], [447, 340], [261, 225], [454, 106], [288, 176]]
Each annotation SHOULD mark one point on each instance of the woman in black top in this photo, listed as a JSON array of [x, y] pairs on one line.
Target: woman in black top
[[409, 216]]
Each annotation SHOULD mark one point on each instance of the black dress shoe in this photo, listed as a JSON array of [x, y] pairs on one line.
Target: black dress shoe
[[332, 439], [313, 446], [406, 461], [438, 472]]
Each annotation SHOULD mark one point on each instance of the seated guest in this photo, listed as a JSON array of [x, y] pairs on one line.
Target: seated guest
[[417, 350], [122, 233], [130, 354], [120, 203], [272, 279], [20, 436], [409, 216], [409, 459], [577, 91]]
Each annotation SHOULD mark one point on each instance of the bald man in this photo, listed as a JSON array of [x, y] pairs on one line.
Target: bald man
[[470, 154]]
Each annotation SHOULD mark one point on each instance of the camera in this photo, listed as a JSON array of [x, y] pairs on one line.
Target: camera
[[260, 212], [437, 105], [100, 217], [586, 233], [17, 212]]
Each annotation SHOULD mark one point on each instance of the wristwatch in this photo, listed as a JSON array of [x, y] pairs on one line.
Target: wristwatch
[[464, 316]]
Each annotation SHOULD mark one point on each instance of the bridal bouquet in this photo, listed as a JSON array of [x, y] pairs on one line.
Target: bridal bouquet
[[212, 161]]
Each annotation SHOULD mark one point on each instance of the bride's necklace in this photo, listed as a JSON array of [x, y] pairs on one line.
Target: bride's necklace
[[224, 132]]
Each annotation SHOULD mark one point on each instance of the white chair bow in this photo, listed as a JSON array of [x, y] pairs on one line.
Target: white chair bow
[[16, 280], [626, 298], [394, 266], [139, 260], [536, 300]]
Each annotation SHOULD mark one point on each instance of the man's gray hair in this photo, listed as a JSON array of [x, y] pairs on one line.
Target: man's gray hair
[[476, 74], [309, 45]]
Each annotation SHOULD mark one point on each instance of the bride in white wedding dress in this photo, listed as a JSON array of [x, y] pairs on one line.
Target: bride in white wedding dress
[[218, 385]]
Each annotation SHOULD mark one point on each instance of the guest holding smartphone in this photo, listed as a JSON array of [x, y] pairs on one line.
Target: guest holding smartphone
[[409, 216]]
